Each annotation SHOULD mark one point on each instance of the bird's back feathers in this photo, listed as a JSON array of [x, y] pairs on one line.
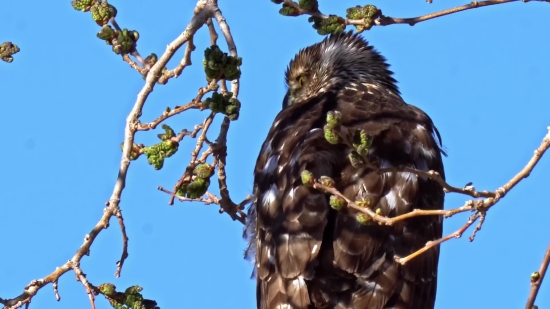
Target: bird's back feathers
[[309, 255]]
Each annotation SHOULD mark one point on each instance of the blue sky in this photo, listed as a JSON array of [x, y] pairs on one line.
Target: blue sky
[[482, 75]]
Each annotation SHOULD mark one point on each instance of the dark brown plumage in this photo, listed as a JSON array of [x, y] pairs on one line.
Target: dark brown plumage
[[308, 255]]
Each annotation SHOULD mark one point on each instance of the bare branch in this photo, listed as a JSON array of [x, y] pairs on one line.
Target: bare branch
[[210, 199], [226, 204], [536, 279], [195, 104], [386, 20], [80, 276], [185, 61], [56, 290], [433, 175], [431, 244], [124, 255]]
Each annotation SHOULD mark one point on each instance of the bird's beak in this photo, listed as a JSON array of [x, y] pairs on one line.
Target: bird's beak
[[287, 99]]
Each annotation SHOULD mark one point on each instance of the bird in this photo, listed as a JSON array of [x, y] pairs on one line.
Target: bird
[[308, 255]]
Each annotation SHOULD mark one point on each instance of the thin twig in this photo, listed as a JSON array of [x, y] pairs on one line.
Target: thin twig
[[185, 132], [206, 201], [194, 104], [193, 163], [185, 62], [212, 31], [133, 64], [226, 204], [56, 290], [80, 276], [536, 279], [386, 20], [433, 175], [179, 109], [124, 254], [433, 243]]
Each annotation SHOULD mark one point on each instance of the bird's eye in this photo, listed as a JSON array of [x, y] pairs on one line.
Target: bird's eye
[[301, 80]]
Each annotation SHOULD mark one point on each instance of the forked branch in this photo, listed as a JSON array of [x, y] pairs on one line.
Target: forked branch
[[204, 10]]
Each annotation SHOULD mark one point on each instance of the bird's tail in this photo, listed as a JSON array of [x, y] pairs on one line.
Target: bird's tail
[[280, 293]]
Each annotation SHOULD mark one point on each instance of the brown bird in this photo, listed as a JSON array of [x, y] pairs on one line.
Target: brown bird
[[308, 255]]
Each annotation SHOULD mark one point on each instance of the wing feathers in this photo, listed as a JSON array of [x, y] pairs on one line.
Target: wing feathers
[[310, 256]]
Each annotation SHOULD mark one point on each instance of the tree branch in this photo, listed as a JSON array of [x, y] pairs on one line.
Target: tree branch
[[382, 20], [536, 280], [480, 207], [204, 10]]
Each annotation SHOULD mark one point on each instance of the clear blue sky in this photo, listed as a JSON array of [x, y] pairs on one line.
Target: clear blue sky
[[482, 75]]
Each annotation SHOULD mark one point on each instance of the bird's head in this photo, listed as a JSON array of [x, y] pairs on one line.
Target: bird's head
[[338, 60]]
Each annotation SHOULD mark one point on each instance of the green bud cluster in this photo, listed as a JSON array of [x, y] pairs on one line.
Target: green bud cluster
[[355, 159], [7, 50], [360, 12], [288, 10], [151, 59], [123, 42], [194, 189], [362, 142], [307, 178], [324, 26], [83, 5], [107, 33], [306, 5], [364, 202], [334, 121], [309, 5], [368, 13], [224, 104], [102, 12], [203, 171], [337, 202], [158, 152], [363, 218], [199, 185], [130, 299], [126, 40], [107, 289], [327, 181], [219, 65], [168, 133]]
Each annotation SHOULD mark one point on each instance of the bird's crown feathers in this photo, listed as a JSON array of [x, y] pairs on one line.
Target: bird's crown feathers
[[339, 59]]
